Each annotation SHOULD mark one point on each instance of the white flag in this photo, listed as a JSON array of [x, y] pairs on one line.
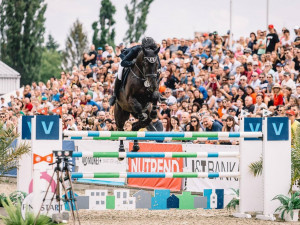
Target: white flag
[[244, 113], [266, 112]]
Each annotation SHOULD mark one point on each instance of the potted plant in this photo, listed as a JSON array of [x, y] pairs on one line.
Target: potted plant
[[235, 201], [289, 206]]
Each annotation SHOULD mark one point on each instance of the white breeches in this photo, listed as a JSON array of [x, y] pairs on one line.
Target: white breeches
[[120, 71]]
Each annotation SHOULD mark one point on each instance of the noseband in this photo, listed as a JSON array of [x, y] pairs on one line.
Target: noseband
[[151, 60]]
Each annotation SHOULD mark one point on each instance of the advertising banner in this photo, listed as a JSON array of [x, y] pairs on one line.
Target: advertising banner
[[156, 165], [211, 165]]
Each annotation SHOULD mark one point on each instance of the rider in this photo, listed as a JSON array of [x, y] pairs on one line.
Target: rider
[[128, 57]]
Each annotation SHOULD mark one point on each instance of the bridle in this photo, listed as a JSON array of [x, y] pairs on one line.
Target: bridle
[[151, 60]]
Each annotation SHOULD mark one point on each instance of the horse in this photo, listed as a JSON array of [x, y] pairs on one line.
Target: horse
[[140, 95]]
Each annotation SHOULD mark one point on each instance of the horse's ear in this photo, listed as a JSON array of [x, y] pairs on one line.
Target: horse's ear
[[157, 51]]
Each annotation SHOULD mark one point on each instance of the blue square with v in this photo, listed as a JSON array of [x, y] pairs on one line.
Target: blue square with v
[[47, 127]]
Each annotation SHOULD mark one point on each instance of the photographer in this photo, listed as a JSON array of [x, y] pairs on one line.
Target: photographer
[[99, 122]]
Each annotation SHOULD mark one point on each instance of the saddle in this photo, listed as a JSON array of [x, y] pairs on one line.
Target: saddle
[[125, 74]]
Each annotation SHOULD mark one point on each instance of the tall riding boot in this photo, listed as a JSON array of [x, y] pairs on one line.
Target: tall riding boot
[[118, 84]]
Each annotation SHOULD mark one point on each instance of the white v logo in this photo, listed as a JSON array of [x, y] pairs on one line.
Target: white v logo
[[256, 127], [277, 131], [47, 130]]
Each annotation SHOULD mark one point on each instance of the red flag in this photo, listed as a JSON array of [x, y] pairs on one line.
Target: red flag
[[57, 111], [43, 111]]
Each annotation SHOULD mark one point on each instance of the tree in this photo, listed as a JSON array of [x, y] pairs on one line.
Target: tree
[[136, 18], [51, 64], [21, 36], [105, 25], [76, 45], [10, 155], [51, 43]]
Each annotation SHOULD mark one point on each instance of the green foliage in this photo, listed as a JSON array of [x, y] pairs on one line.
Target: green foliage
[[9, 155], [235, 201], [76, 45], [136, 19], [288, 204], [3, 198], [51, 43], [15, 197], [104, 33], [51, 64], [256, 167], [15, 217], [21, 36]]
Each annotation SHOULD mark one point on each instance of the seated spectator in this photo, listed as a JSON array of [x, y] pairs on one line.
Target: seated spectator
[[175, 124], [211, 125], [249, 107]]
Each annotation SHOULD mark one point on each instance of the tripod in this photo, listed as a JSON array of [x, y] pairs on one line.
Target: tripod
[[61, 180]]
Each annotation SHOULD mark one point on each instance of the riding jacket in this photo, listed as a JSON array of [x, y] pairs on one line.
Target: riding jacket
[[129, 54]]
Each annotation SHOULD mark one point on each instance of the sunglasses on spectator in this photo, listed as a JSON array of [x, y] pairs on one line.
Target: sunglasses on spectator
[[231, 79], [270, 77], [194, 121], [215, 63], [68, 120], [261, 77]]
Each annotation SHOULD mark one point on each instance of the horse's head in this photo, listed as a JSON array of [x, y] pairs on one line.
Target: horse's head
[[149, 66]]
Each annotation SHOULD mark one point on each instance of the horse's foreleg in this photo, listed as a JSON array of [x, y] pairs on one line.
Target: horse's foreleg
[[137, 108], [154, 100]]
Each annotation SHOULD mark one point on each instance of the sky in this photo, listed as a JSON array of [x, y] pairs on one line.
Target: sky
[[176, 18]]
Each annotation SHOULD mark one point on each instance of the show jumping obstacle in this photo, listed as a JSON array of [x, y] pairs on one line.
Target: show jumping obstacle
[[154, 175], [269, 137], [155, 154]]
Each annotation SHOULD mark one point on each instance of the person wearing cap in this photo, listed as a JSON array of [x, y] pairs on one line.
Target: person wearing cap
[[279, 71], [288, 82], [272, 39], [128, 58], [99, 53], [247, 52], [46, 103], [294, 123], [277, 95], [207, 42]]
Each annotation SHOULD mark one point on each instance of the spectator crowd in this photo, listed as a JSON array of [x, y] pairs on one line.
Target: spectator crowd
[[209, 83]]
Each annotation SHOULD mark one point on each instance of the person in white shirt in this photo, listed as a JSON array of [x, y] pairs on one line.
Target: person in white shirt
[[254, 81], [260, 105], [288, 82], [3, 103], [71, 123], [170, 98]]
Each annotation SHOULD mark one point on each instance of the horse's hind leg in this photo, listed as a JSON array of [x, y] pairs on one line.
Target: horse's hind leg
[[121, 116]]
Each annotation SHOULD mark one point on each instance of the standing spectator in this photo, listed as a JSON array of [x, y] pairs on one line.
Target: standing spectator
[[272, 40], [261, 44]]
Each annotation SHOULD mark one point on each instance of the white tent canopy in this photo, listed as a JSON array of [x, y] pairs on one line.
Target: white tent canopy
[[9, 79]]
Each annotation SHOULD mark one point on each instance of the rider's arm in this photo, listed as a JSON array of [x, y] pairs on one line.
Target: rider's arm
[[127, 61]]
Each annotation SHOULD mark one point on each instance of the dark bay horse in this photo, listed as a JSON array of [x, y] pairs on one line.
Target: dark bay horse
[[140, 95]]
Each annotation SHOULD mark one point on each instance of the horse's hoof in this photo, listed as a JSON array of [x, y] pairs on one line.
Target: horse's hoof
[[143, 117], [153, 114], [135, 148], [121, 149]]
